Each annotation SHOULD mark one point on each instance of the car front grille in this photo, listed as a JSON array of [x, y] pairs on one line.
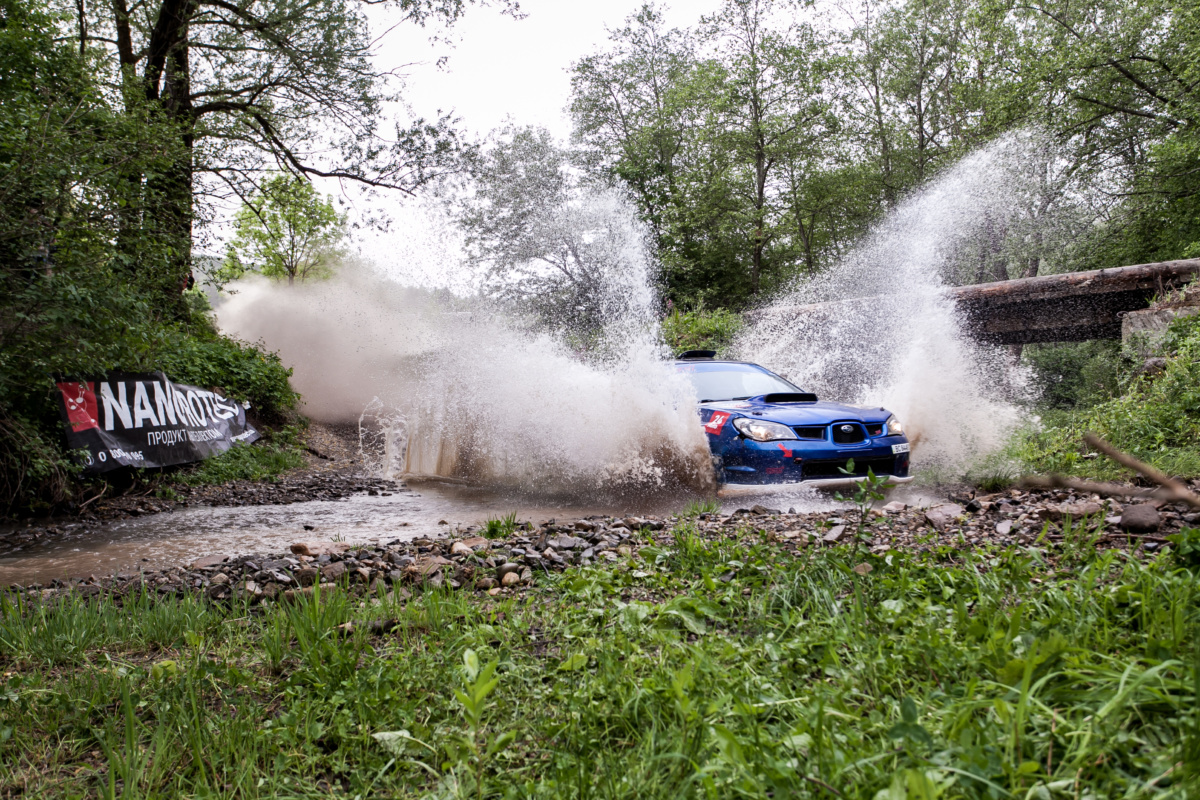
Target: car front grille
[[848, 433], [832, 468], [810, 431]]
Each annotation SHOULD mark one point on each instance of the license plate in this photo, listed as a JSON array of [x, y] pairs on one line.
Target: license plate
[[900, 448]]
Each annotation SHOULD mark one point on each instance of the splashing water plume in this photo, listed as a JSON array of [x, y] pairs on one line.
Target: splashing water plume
[[458, 389], [887, 334]]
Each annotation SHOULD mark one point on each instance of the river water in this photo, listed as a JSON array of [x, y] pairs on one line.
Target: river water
[[427, 510]]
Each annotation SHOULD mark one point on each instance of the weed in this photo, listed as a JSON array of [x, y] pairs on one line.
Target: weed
[[697, 507], [502, 527]]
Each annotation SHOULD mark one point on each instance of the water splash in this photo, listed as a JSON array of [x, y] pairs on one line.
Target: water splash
[[889, 335], [465, 390]]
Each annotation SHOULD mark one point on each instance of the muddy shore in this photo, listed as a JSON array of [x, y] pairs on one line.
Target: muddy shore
[[1047, 521]]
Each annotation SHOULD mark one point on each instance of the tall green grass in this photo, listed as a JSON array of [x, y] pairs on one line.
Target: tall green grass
[[706, 669]]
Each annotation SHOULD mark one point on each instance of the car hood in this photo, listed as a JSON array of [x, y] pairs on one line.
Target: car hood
[[791, 414]]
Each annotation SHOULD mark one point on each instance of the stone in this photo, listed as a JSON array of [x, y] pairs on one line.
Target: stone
[[435, 581], [290, 595], [763, 510], [364, 574], [564, 542], [483, 584], [307, 576], [506, 569], [477, 543], [1140, 518], [332, 571], [526, 575], [495, 590], [625, 551], [510, 579], [895, 507], [1004, 527], [1078, 510], [941, 515], [585, 525], [319, 548], [220, 579], [217, 591], [863, 569], [208, 561], [834, 534], [251, 588], [460, 549]]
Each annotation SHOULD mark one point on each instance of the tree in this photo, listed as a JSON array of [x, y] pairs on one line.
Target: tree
[[566, 253], [249, 85], [286, 230]]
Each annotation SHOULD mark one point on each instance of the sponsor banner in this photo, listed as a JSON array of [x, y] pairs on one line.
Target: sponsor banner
[[144, 420]]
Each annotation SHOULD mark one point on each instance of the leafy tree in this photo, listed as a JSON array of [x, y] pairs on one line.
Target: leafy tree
[[286, 230], [242, 85]]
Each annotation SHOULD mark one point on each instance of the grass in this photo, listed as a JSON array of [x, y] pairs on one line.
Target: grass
[[279, 452], [706, 669], [1156, 419]]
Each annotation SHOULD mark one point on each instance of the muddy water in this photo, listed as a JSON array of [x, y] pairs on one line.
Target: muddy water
[[179, 537]]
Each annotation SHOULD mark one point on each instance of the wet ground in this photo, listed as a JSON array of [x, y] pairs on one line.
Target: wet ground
[[75, 549]]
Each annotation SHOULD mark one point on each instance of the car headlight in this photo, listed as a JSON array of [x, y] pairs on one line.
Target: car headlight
[[894, 428], [761, 430]]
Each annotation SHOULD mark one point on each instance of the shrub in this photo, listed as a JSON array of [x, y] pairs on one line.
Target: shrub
[[700, 329]]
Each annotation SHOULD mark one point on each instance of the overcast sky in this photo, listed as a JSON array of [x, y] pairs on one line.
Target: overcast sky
[[501, 67], [496, 68]]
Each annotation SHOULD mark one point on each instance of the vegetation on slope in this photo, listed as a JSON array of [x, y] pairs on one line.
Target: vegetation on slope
[[711, 669], [1156, 418]]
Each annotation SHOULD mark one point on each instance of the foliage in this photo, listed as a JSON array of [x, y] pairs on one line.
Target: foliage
[[266, 459], [700, 329], [285, 230], [711, 669], [1157, 419], [1076, 374]]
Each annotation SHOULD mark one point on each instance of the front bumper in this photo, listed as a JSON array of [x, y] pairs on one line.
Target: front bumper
[[815, 463]]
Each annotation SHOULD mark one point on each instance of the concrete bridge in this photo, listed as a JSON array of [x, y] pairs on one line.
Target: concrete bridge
[[1069, 307]]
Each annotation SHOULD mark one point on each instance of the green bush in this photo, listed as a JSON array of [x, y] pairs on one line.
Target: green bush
[[700, 329], [1076, 374], [277, 453], [1157, 419]]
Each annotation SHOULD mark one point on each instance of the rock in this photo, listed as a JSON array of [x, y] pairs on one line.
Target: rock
[[510, 579], [208, 561], [1192, 519], [941, 515], [319, 548], [435, 581], [1140, 518], [307, 576], [1078, 510], [506, 569], [217, 591], [585, 525], [625, 551], [564, 542], [430, 564], [460, 549], [364, 574], [495, 590], [290, 595], [477, 543], [483, 584], [332, 571], [895, 507], [834, 534], [526, 575], [863, 568], [251, 588], [220, 579], [763, 510], [1004, 527]]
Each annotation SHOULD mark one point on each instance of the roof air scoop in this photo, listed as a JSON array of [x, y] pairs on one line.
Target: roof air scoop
[[696, 355], [790, 397]]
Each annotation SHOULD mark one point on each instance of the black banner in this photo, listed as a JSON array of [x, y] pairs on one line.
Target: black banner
[[144, 420]]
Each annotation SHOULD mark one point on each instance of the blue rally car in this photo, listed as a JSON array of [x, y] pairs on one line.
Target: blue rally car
[[762, 429]]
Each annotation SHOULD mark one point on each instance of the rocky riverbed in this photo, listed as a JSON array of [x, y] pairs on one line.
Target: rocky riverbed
[[470, 561]]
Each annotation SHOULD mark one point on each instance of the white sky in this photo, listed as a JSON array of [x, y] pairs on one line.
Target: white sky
[[496, 69], [501, 67]]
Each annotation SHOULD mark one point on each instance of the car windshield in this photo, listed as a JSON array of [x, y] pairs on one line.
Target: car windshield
[[725, 381]]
